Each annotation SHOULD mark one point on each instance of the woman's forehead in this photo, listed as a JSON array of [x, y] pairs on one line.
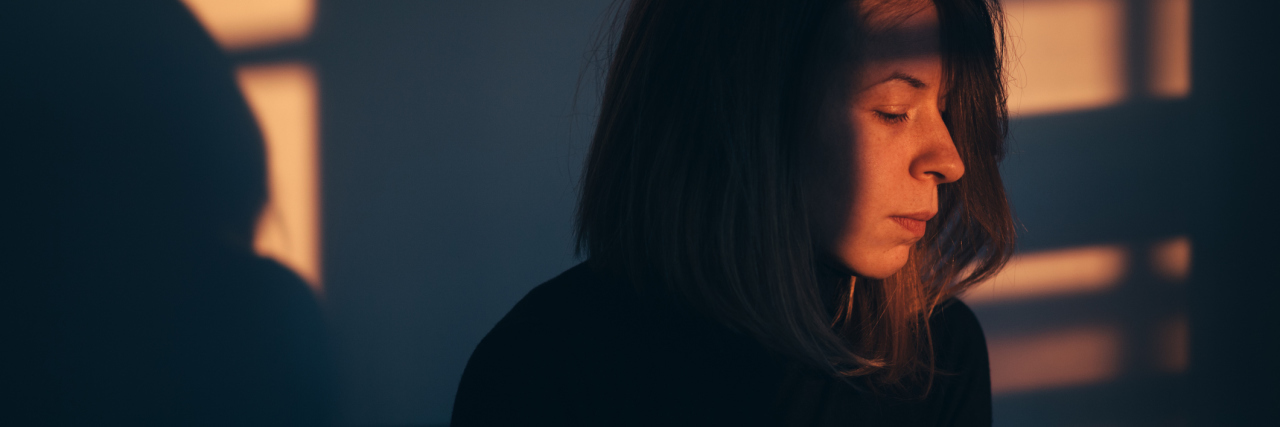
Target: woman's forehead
[[910, 32]]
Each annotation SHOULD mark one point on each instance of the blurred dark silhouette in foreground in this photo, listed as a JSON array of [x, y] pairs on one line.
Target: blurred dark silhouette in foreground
[[133, 176]]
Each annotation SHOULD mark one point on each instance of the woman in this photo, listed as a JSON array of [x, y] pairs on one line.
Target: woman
[[777, 225]]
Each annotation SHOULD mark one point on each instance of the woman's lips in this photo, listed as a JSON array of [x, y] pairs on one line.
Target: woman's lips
[[914, 222], [915, 226]]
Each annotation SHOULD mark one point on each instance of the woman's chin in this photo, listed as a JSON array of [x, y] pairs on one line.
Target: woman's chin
[[877, 267], [877, 273]]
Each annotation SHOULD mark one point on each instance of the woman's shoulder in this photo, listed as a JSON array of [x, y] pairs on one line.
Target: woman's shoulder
[[957, 336], [578, 297], [955, 317], [962, 385], [522, 368], [578, 302]]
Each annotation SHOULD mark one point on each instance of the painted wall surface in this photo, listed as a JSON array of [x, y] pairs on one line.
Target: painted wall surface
[[451, 147]]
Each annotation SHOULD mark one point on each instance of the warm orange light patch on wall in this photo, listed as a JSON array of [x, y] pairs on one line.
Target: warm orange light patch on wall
[[1072, 357], [1169, 56], [284, 101], [1082, 270], [1173, 352], [1065, 55], [245, 24], [1171, 259]]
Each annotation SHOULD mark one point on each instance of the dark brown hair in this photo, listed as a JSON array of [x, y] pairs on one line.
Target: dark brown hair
[[692, 188]]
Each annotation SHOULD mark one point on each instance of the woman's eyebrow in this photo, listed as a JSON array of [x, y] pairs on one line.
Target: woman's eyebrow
[[906, 78]]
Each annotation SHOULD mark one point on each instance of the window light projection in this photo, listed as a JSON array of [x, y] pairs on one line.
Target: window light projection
[[1169, 55], [247, 24], [1081, 270], [1063, 358], [1065, 55], [284, 101], [1171, 259], [1173, 349]]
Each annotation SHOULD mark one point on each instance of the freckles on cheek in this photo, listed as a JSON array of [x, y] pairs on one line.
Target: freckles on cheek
[[883, 156], [870, 171], [882, 187]]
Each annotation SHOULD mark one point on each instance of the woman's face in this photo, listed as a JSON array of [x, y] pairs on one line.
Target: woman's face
[[883, 150]]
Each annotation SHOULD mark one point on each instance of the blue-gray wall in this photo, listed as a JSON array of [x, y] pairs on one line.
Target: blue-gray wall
[[451, 149]]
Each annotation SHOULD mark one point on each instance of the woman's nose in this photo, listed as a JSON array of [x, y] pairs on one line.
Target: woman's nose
[[937, 160]]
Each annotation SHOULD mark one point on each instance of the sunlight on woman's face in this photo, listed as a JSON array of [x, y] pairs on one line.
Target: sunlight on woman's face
[[883, 151]]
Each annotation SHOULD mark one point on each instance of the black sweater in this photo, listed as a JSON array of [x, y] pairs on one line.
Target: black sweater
[[582, 349]]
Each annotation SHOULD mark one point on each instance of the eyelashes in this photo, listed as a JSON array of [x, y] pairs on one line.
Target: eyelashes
[[891, 118]]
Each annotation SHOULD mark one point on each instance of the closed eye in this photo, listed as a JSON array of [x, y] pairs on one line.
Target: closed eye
[[891, 118]]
